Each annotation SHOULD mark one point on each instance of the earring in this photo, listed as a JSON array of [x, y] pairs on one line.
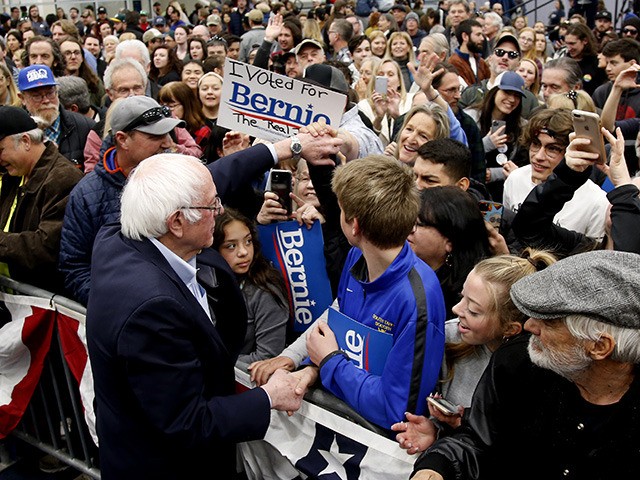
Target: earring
[[448, 261]]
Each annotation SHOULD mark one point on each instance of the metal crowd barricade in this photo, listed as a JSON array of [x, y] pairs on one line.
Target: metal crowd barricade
[[54, 422]]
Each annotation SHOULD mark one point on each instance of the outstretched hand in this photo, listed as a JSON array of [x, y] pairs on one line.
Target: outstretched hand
[[416, 434]]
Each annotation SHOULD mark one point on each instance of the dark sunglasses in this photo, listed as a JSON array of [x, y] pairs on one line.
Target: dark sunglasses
[[632, 31], [499, 52], [151, 116]]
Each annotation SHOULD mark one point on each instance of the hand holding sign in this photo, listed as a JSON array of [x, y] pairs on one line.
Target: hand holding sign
[[321, 342]]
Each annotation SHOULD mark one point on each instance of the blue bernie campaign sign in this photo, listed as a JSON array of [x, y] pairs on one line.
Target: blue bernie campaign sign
[[298, 253], [367, 347], [271, 106]]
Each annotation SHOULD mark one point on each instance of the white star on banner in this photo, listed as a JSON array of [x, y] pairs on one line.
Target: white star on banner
[[335, 460]]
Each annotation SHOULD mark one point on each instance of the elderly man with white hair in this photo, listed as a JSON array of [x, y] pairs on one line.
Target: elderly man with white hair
[[162, 366], [563, 401]]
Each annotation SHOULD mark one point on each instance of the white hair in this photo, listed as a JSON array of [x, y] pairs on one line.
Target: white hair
[[134, 44], [627, 348], [119, 64], [492, 18], [158, 187]]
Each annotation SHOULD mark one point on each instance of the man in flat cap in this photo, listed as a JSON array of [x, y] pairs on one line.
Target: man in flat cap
[[562, 402], [36, 184]]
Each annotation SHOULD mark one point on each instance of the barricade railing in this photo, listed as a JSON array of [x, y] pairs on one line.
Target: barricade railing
[[55, 420]]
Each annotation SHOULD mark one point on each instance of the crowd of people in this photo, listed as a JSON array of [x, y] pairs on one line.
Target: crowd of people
[[115, 170]]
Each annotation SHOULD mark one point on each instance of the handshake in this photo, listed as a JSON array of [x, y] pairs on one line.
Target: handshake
[[286, 390]]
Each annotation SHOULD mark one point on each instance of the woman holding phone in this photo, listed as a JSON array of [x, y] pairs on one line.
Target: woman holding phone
[[500, 125], [486, 318]]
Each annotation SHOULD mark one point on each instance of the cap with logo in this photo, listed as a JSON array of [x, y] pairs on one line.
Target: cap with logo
[[603, 15], [143, 114], [14, 120], [159, 22], [328, 77], [306, 42], [214, 19], [256, 15], [35, 76], [102, 10]]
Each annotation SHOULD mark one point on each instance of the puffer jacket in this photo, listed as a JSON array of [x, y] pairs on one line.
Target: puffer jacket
[[95, 201]]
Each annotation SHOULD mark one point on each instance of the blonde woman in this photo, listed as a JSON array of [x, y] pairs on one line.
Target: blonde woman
[[311, 29], [528, 70], [367, 67], [400, 49], [8, 91], [383, 108], [378, 43]]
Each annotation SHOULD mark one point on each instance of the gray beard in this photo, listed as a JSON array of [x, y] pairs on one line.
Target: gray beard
[[569, 363]]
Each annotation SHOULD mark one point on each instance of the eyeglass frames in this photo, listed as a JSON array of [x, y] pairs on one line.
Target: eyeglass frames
[[215, 208]]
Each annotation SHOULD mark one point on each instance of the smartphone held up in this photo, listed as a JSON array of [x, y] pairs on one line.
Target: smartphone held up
[[588, 125], [279, 182]]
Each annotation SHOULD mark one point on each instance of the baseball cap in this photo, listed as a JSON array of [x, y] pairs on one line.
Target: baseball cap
[[327, 76], [144, 13], [305, 42], [143, 114], [102, 10], [255, 15], [159, 22], [213, 19], [15, 120], [603, 14], [35, 76], [151, 34], [603, 285], [507, 37], [510, 81]]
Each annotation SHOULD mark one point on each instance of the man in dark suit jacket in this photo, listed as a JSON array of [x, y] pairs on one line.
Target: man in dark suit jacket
[[162, 360]]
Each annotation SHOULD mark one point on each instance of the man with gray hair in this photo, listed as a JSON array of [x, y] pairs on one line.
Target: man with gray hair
[[563, 401], [74, 96], [138, 51], [340, 32], [163, 373], [491, 28], [36, 184]]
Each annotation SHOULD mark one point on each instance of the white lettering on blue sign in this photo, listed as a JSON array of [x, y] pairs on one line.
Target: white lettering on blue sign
[[289, 244]]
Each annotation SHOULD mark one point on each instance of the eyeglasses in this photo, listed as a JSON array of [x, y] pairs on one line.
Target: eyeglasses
[[48, 94], [73, 53], [632, 31], [526, 40], [499, 52], [151, 116], [552, 151], [128, 91], [216, 208]]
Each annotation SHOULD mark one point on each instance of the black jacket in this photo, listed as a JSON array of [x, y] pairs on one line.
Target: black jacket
[[533, 224], [528, 422], [74, 130]]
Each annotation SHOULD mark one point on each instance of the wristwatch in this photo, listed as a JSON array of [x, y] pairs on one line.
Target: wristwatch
[[296, 148]]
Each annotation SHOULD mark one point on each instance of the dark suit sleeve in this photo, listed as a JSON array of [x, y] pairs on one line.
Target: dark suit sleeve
[[181, 382], [233, 172]]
